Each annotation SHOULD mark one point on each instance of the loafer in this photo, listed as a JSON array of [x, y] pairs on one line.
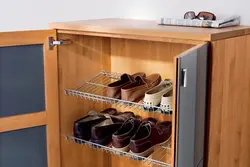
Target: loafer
[[102, 133], [136, 90], [82, 127], [121, 138], [153, 96], [114, 89], [148, 136], [166, 103]]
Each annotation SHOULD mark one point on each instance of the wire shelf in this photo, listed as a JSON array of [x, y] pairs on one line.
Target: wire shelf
[[95, 89], [160, 157]]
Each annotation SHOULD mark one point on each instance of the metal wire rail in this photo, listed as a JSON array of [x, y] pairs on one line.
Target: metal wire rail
[[95, 89], [160, 157]]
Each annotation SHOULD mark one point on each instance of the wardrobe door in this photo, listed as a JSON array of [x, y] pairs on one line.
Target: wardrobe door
[[29, 114], [191, 106]]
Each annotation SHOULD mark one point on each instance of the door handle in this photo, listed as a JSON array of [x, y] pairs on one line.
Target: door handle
[[183, 82]]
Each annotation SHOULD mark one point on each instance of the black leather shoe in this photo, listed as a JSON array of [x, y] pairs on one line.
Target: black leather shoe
[[82, 127]]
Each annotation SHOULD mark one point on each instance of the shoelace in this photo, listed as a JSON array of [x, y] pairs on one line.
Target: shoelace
[[131, 120]]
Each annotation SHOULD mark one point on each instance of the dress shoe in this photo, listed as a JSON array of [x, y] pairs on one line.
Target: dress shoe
[[136, 90], [148, 136], [121, 138], [114, 89], [153, 96], [102, 132], [82, 127]]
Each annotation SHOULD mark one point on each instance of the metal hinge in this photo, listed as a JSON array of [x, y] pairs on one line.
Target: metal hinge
[[53, 42]]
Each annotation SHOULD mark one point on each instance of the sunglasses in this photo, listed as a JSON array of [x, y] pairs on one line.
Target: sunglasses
[[200, 16]]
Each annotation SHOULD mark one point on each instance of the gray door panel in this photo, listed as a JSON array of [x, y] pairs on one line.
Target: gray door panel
[[192, 107], [21, 80], [24, 148]]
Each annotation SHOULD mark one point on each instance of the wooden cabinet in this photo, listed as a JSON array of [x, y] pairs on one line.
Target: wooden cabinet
[[208, 68]]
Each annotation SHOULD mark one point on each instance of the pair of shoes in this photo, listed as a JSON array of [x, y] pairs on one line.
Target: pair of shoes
[[161, 94], [132, 87], [114, 89], [141, 136], [99, 127], [82, 127]]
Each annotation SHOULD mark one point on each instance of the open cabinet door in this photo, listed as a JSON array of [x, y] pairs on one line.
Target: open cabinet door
[[29, 112], [191, 106]]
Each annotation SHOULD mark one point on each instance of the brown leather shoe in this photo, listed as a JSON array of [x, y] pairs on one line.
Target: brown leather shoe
[[114, 89], [148, 136], [136, 90], [121, 138], [102, 132], [82, 127]]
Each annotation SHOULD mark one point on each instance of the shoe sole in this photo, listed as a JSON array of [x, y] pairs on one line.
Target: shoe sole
[[102, 142], [124, 149], [150, 150]]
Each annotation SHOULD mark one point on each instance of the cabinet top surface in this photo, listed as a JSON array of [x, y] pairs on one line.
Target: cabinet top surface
[[143, 28]]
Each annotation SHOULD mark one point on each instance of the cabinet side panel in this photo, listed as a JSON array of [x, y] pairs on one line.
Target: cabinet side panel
[[79, 61], [229, 135]]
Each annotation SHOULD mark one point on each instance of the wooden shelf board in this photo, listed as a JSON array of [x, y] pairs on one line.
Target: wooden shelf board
[[142, 28]]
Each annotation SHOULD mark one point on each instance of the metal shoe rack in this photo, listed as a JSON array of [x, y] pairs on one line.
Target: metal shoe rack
[[95, 89], [158, 157]]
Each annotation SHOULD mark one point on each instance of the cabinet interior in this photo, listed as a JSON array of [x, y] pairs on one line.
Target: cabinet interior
[[85, 57]]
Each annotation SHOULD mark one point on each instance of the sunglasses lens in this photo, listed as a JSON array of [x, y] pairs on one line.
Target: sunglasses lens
[[206, 16], [189, 15]]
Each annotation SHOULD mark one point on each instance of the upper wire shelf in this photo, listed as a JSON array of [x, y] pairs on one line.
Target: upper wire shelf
[[160, 157], [95, 89]]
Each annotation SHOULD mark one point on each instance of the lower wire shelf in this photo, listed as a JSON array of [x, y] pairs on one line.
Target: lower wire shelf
[[160, 157], [95, 90]]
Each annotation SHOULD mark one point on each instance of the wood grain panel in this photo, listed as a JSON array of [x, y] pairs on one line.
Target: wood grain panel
[[229, 135], [22, 121], [78, 62], [25, 37], [52, 103], [136, 37], [150, 29], [150, 57]]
